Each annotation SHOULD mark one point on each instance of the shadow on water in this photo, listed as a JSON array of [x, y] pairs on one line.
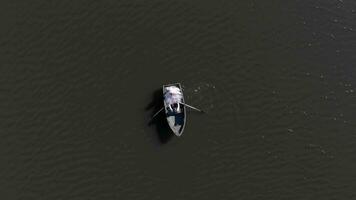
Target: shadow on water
[[163, 131]]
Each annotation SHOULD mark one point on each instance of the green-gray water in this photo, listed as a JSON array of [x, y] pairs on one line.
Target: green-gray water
[[79, 81]]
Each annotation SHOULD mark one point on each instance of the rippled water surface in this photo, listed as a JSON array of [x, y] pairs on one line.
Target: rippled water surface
[[79, 81]]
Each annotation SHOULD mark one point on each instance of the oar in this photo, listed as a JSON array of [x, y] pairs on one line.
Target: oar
[[194, 108], [157, 113]]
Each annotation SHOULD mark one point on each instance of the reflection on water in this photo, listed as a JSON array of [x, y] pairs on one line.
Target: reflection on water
[[159, 121]]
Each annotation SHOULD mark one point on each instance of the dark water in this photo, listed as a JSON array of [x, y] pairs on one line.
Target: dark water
[[80, 80]]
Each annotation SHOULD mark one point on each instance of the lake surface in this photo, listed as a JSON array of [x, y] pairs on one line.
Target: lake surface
[[80, 80]]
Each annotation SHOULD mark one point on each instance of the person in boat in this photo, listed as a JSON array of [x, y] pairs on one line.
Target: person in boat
[[173, 97]]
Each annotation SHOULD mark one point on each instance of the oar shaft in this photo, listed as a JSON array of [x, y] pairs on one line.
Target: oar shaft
[[157, 113], [189, 106]]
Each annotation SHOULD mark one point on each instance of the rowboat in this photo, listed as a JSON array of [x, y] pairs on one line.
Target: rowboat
[[173, 100], [175, 107]]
